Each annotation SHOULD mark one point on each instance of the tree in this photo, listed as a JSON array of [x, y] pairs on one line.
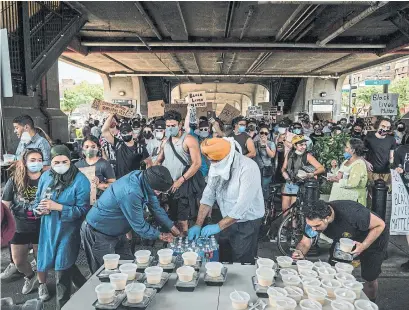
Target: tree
[[83, 93], [401, 87]]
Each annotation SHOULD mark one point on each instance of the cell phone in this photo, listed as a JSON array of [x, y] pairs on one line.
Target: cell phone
[[211, 114]]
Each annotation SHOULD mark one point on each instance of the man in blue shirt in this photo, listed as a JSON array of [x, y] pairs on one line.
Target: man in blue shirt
[[120, 209]]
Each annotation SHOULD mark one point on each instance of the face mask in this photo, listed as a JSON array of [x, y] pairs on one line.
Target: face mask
[[297, 131], [282, 130], [172, 131], [242, 129], [382, 132], [299, 152], [61, 168], [25, 137], [347, 155], [400, 129], [35, 166], [203, 134], [317, 131], [127, 138], [147, 135], [90, 153], [136, 131], [357, 133], [159, 135]]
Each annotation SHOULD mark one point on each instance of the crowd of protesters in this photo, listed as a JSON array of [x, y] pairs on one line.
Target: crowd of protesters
[[166, 166]]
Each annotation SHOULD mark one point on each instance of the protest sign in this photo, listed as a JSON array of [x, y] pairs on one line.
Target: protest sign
[[179, 101], [228, 114], [202, 111], [156, 108], [181, 108], [254, 112], [111, 108], [400, 206], [90, 174], [197, 99], [368, 124], [384, 104]]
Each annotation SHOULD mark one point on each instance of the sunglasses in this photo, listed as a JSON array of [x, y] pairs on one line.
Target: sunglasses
[[264, 133], [203, 129]]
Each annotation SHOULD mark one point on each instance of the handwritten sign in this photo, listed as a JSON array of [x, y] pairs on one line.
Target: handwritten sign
[[400, 206], [90, 174], [156, 108], [197, 99], [368, 124], [111, 108], [203, 111], [254, 112], [228, 114], [384, 104]]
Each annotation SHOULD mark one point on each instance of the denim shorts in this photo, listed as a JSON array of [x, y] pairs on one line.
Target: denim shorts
[[290, 189]]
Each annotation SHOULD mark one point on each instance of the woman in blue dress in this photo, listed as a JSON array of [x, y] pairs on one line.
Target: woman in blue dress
[[62, 200]]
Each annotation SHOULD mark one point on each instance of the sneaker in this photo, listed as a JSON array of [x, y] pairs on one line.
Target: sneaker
[[43, 292], [29, 284], [9, 271], [405, 266]]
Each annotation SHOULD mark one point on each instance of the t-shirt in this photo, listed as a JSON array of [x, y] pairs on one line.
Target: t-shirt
[[128, 158], [20, 205], [262, 159], [352, 221], [103, 169], [378, 152], [401, 157]]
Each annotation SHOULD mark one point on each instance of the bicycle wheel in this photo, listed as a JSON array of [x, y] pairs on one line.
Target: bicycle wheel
[[264, 232], [288, 235]]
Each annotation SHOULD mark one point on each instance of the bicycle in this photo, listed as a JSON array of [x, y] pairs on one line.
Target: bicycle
[[270, 212]]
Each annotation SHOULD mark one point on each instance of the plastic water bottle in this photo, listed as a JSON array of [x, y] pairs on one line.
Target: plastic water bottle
[[215, 247]]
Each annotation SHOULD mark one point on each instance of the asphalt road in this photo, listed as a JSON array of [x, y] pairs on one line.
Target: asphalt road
[[393, 284]]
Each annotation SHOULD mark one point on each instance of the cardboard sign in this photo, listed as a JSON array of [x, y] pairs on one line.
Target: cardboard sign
[[400, 206], [384, 104], [181, 108], [254, 112], [156, 108], [111, 108], [179, 101], [90, 174], [228, 114], [197, 99], [203, 111]]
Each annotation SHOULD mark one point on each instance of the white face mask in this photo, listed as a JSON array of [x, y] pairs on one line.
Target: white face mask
[[25, 137], [282, 130], [61, 168], [159, 135]]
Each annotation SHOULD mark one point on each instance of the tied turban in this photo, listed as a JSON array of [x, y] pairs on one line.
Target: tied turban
[[159, 178], [216, 148]]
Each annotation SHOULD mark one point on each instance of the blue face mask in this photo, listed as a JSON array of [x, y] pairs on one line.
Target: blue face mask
[[171, 131], [242, 129], [347, 155], [310, 232], [35, 166], [297, 131]]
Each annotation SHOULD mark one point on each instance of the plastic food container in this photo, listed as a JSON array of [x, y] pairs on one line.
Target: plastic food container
[[265, 262], [294, 292], [344, 294], [275, 293], [284, 261], [330, 285], [118, 280], [154, 274], [286, 303], [344, 267], [308, 274], [326, 273], [189, 258], [265, 276], [321, 264], [309, 304], [346, 245], [317, 294], [239, 300], [341, 305], [7, 158], [111, 261], [214, 269], [343, 276], [362, 304], [105, 293], [291, 280], [304, 265], [355, 286], [310, 283], [129, 269], [165, 256], [134, 292], [288, 272], [142, 256], [185, 273]]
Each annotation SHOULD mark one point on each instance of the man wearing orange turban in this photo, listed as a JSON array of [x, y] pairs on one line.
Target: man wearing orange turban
[[235, 184]]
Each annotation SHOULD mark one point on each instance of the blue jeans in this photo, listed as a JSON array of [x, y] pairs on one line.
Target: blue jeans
[[265, 185]]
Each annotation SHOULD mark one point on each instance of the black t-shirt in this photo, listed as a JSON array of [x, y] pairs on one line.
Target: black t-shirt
[[20, 205], [314, 137], [128, 158], [378, 152], [352, 221], [401, 157]]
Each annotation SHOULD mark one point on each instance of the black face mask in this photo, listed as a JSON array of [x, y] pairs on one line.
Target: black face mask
[[401, 129], [147, 135], [127, 138], [383, 132], [357, 133]]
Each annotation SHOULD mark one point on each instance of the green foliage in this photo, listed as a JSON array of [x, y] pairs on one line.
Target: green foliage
[[83, 93], [364, 94], [328, 148], [401, 87]]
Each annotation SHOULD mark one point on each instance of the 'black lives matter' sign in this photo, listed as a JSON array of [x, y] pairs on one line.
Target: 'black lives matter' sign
[[384, 104], [400, 206]]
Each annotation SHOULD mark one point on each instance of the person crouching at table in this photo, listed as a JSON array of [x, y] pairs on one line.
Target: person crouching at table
[[62, 200], [235, 184]]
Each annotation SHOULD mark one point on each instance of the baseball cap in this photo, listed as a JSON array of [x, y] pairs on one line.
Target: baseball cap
[[160, 124], [125, 127], [298, 139]]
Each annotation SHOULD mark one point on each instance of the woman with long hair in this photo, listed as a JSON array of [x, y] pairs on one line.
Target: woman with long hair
[[62, 200], [18, 195], [104, 174]]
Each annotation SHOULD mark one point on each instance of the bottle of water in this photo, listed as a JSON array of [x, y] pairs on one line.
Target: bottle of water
[[215, 248]]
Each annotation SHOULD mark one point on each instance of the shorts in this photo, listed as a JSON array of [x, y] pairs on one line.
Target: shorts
[[26, 238], [372, 259], [179, 209], [290, 189]]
